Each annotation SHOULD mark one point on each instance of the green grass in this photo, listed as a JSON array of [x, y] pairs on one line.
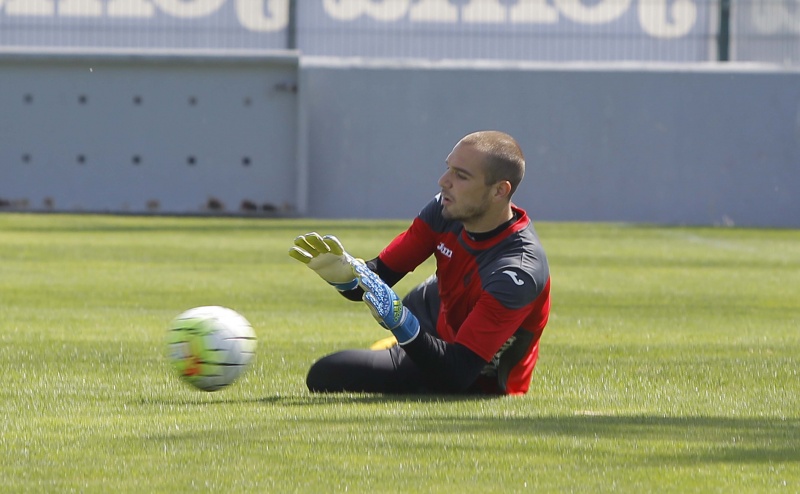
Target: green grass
[[669, 365]]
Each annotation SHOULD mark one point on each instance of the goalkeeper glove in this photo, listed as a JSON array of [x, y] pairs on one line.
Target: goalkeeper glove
[[385, 305], [326, 257]]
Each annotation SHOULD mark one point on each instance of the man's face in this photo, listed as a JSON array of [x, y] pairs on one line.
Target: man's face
[[465, 195]]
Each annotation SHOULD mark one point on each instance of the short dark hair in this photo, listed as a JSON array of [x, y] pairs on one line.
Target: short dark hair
[[504, 158]]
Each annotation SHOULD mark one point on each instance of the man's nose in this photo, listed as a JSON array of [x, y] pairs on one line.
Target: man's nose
[[444, 182]]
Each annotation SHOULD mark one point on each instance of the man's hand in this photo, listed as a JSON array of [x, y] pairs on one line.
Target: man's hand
[[385, 305], [326, 256]]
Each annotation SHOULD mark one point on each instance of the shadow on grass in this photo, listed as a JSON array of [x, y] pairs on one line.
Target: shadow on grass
[[315, 399], [322, 399], [671, 439], [668, 440]]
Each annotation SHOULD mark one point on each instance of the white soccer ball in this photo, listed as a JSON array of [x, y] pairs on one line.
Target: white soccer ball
[[210, 347]]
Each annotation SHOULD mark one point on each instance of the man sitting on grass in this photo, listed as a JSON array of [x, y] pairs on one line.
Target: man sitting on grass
[[474, 326]]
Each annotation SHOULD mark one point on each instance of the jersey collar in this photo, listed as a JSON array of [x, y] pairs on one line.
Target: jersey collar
[[520, 224]]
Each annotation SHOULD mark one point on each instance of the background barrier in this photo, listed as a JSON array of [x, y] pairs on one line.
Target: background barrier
[[668, 144], [151, 133], [628, 110]]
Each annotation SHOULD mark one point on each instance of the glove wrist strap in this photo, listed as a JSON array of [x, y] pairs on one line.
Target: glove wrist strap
[[408, 329]]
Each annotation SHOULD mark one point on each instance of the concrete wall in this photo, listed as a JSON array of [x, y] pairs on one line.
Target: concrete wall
[[670, 144], [686, 144], [156, 133]]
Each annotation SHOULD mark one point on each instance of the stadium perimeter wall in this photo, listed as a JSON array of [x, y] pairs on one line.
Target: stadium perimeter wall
[[151, 132], [694, 145], [333, 138]]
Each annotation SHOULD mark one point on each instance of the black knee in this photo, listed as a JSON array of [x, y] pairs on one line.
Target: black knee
[[321, 376], [368, 371]]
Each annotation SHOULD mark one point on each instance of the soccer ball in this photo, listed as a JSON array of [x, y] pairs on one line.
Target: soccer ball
[[210, 347]]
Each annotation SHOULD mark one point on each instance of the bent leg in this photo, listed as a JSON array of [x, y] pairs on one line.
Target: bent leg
[[370, 371]]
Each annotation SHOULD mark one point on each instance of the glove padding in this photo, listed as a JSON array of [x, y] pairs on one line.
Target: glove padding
[[326, 257], [385, 305]]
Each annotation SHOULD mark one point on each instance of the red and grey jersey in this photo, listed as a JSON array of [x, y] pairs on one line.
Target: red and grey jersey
[[495, 292]]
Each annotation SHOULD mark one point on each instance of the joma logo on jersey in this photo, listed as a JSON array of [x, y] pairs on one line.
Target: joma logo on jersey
[[448, 253], [513, 276]]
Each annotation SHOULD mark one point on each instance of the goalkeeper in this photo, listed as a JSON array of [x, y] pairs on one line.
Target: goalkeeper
[[474, 326]]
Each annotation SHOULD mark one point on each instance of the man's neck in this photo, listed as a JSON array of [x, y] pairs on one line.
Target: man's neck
[[486, 227]]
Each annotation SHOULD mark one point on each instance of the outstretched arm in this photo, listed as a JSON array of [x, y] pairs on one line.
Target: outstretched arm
[[449, 366], [385, 305]]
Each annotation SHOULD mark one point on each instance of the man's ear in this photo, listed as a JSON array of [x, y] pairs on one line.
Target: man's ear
[[502, 189]]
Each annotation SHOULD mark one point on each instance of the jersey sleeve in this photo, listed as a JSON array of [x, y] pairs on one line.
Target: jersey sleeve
[[413, 246], [506, 303], [489, 326]]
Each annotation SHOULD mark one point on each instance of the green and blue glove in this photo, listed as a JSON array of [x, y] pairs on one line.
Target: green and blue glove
[[326, 257], [385, 305]]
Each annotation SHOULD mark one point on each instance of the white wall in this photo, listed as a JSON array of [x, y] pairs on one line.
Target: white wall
[[678, 144], [150, 133], [668, 144]]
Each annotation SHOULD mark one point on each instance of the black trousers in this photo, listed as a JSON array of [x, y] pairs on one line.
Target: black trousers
[[380, 371]]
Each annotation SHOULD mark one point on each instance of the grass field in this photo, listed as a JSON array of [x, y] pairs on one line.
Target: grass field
[[670, 364]]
